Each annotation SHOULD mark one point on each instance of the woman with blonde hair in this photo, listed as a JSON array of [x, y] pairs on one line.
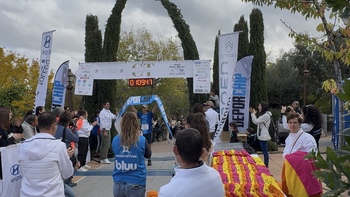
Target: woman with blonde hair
[[130, 148]]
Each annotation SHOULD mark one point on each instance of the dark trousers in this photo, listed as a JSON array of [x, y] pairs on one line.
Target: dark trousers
[[82, 150]]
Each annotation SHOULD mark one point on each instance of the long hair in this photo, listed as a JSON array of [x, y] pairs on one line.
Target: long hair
[[5, 122], [198, 121], [312, 115], [264, 107], [197, 107], [129, 134]]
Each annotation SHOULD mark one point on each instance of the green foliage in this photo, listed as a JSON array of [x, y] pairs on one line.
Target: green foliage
[[215, 84], [243, 42], [346, 94], [258, 91], [188, 45]]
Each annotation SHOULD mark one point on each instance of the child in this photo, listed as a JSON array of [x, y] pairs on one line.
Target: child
[[233, 132]]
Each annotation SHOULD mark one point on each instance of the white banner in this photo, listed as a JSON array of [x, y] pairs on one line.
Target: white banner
[[59, 86], [88, 72], [11, 176], [239, 108], [44, 69], [228, 48], [201, 77]]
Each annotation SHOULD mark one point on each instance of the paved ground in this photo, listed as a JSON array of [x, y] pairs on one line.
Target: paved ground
[[98, 180]]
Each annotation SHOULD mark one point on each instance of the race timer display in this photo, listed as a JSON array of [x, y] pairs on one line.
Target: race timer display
[[140, 82]]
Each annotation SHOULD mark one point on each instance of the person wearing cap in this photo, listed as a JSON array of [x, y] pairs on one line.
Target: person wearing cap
[[146, 117], [212, 117]]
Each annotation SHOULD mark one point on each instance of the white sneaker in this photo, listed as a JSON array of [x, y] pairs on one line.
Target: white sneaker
[[87, 166], [105, 161], [82, 169]]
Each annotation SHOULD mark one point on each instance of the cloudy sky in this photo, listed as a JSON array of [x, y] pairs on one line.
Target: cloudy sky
[[23, 21]]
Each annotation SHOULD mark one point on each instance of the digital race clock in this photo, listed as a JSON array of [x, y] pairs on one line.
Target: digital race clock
[[141, 82]]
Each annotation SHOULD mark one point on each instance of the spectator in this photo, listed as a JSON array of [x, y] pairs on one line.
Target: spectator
[[296, 107], [212, 117], [197, 121], [29, 126], [233, 132], [263, 123], [312, 122], [130, 148], [9, 133], [44, 161], [297, 177], [106, 117], [145, 117], [95, 138], [39, 110], [215, 99], [193, 177], [83, 144]]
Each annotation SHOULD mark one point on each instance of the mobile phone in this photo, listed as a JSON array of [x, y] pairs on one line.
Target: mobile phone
[[72, 145]]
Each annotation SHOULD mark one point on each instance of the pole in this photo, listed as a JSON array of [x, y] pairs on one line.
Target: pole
[[70, 96]]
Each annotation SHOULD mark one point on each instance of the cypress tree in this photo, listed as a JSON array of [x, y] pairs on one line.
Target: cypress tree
[[243, 42], [215, 84], [93, 50], [258, 90], [188, 45]]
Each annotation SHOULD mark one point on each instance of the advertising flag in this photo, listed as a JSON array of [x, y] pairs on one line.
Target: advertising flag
[[44, 69], [239, 108], [59, 86]]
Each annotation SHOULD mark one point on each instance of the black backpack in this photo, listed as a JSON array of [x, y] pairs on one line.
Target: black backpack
[[272, 130]]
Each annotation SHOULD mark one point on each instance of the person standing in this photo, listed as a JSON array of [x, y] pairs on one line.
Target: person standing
[[213, 97], [9, 133], [212, 117], [145, 117], [296, 107], [83, 144], [106, 117], [312, 122], [193, 177], [130, 148], [29, 126], [262, 123], [44, 161]]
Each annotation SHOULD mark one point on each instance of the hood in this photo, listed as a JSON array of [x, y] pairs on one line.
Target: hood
[[38, 146], [269, 113]]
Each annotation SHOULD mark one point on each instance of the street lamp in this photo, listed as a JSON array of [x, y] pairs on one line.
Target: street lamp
[[306, 73], [71, 80]]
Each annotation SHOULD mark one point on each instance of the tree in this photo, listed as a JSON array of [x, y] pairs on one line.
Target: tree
[[18, 81], [243, 42], [93, 53], [215, 84], [258, 91], [188, 45]]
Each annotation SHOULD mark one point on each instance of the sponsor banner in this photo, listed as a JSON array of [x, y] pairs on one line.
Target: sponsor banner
[[201, 77], [228, 47], [239, 108], [11, 176], [59, 86], [140, 100], [88, 72], [44, 69]]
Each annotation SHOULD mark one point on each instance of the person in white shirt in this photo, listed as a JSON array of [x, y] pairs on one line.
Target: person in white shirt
[[298, 140], [212, 117], [29, 126], [44, 161], [106, 117], [193, 178]]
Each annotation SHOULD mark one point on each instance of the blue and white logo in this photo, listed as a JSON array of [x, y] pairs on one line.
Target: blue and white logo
[[15, 170], [47, 41]]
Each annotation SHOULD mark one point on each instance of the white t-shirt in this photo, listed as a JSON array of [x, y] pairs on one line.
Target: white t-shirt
[[195, 182], [213, 119], [305, 143]]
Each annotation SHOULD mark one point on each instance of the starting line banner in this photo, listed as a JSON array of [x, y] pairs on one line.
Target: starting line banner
[[140, 100], [88, 72]]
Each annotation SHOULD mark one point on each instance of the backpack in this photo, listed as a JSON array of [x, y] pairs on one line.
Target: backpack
[[272, 130]]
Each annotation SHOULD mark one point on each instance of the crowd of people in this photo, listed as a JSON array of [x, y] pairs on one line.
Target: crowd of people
[[41, 135]]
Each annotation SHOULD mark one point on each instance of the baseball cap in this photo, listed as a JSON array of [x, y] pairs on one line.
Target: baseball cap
[[144, 105], [209, 103]]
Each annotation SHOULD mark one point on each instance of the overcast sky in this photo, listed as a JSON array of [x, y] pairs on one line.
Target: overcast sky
[[22, 23]]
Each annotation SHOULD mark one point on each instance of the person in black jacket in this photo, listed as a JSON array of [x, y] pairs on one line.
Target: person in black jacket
[[9, 133]]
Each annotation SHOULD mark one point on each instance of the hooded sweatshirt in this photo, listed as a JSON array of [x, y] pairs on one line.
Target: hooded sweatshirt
[[44, 163], [263, 123]]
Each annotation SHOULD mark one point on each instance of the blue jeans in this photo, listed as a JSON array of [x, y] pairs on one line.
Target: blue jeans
[[68, 191], [126, 189], [263, 146]]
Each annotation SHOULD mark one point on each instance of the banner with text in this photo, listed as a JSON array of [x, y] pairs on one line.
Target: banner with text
[[59, 86], [140, 100], [239, 108], [228, 48], [201, 77], [88, 72], [44, 69]]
